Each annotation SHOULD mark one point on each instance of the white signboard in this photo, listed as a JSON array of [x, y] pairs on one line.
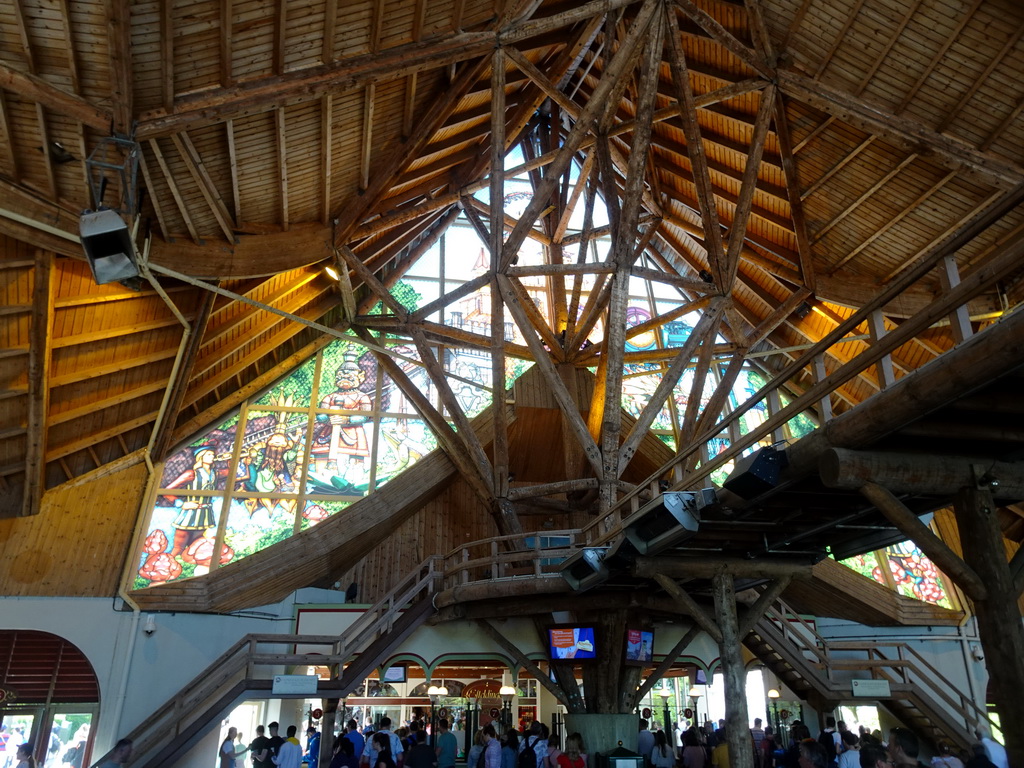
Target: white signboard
[[294, 684], [872, 689]]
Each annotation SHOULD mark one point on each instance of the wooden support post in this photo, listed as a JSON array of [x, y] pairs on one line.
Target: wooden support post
[[825, 404], [876, 325], [999, 623], [734, 672], [940, 554], [959, 318], [39, 352]]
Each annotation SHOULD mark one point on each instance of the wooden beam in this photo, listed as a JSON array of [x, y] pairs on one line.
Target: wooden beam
[[569, 409], [282, 164], [908, 132], [34, 88], [725, 38], [703, 332], [612, 80], [178, 384], [998, 617], [40, 333], [689, 606], [756, 612], [523, 660], [698, 157], [748, 186], [937, 550], [119, 54], [791, 172], [197, 169]]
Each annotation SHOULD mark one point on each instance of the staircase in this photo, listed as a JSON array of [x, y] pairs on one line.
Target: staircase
[[822, 673], [250, 665]]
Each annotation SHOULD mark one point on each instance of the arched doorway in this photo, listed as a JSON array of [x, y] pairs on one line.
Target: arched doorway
[[49, 697]]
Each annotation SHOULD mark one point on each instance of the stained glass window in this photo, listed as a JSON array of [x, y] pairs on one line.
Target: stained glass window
[[909, 570]]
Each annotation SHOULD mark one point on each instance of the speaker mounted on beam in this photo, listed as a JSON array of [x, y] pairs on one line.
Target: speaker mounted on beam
[[666, 520], [108, 246], [756, 473], [585, 569]]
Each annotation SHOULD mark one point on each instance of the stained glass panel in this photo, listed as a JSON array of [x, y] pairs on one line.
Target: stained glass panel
[[916, 575]]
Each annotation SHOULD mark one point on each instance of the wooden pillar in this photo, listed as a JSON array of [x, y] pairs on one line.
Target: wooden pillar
[[734, 672], [999, 619]]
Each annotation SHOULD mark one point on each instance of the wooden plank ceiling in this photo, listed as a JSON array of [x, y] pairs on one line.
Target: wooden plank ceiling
[[802, 150]]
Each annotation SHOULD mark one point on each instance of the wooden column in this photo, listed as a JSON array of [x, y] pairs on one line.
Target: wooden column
[[737, 729], [999, 619]]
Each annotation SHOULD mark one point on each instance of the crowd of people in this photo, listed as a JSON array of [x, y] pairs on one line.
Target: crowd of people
[[835, 747], [408, 747]]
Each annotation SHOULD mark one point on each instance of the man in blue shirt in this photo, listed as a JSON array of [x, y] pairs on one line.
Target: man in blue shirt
[[352, 734], [312, 747], [447, 745]]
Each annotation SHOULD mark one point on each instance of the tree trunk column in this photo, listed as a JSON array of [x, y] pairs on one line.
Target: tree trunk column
[[734, 672], [999, 618]]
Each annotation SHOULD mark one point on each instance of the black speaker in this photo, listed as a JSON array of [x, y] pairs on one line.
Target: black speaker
[[585, 569], [756, 473], [108, 246]]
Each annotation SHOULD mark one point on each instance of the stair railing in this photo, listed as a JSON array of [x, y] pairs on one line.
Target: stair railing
[[802, 634], [911, 669], [260, 657], [509, 556]]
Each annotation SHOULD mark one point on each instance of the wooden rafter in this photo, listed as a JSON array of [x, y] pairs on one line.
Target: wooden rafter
[[197, 170], [905, 131], [161, 441], [39, 382], [282, 164], [172, 185], [702, 334], [698, 158], [738, 230]]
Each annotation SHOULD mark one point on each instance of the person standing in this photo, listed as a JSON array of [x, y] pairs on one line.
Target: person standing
[[24, 756], [228, 752], [312, 747], [275, 741], [757, 734], [492, 747], [995, 751], [260, 750], [352, 734], [290, 753], [394, 745], [447, 746], [645, 742], [381, 742]]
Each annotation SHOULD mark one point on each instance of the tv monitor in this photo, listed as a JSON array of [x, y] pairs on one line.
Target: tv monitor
[[571, 642], [393, 675], [639, 646]]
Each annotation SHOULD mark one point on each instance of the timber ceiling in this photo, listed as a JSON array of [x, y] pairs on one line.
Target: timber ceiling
[[792, 151]]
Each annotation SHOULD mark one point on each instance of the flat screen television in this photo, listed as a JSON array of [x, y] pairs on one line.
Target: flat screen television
[[639, 647], [571, 642], [393, 675]]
